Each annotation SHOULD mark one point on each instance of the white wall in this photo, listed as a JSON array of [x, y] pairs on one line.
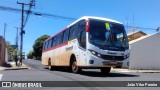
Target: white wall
[[145, 53]]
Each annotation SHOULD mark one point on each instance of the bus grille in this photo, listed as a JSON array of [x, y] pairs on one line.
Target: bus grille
[[109, 57]]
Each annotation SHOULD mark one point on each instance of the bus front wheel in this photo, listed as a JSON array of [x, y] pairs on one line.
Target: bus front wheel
[[74, 67], [105, 70]]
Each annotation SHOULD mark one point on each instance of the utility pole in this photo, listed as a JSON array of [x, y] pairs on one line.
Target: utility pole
[[22, 31], [5, 25], [16, 57], [127, 22], [22, 25], [16, 37]]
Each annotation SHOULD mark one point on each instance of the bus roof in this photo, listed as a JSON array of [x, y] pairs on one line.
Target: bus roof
[[93, 17], [86, 18]]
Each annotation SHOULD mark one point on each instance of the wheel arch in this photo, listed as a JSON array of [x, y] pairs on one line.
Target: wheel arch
[[72, 58], [49, 61]]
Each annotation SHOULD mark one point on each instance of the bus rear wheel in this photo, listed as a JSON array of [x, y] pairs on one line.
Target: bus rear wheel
[[50, 67], [105, 70]]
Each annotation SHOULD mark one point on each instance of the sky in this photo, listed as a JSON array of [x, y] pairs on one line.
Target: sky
[[140, 13]]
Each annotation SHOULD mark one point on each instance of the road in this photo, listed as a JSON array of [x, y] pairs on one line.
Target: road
[[38, 72]]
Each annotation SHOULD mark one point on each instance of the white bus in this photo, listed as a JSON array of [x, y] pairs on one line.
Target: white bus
[[88, 43]]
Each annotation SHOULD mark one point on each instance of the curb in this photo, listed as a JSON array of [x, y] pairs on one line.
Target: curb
[[137, 71], [14, 67]]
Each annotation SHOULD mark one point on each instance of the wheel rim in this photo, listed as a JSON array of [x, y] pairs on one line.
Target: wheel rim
[[49, 65], [74, 67]]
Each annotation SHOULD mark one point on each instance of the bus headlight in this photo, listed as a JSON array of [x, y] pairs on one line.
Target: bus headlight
[[99, 55], [126, 56], [95, 53]]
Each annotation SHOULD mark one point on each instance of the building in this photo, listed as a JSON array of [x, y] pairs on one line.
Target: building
[[145, 53], [133, 37], [3, 52]]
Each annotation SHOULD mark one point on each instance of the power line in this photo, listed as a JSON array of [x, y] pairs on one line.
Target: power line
[[54, 16], [10, 9], [146, 28], [32, 3], [36, 13]]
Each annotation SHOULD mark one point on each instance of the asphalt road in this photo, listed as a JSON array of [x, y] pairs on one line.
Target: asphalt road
[[38, 72]]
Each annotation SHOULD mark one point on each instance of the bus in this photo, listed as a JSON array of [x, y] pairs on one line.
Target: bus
[[88, 43]]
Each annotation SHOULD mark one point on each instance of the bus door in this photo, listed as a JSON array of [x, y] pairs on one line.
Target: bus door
[[82, 47]]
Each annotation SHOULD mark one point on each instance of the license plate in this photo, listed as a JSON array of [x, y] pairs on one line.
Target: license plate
[[110, 63], [113, 62]]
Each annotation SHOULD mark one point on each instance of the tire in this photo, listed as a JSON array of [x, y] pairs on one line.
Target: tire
[[50, 67], [105, 70], [73, 66]]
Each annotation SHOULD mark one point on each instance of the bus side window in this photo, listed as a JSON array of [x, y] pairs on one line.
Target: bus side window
[[49, 43], [65, 35], [73, 32], [59, 41], [81, 25], [83, 39], [54, 41], [46, 44]]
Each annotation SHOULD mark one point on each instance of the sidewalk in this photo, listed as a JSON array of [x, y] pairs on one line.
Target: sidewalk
[[12, 66], [128, 70]]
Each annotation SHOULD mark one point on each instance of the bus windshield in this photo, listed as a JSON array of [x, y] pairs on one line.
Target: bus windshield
[[107, 35]]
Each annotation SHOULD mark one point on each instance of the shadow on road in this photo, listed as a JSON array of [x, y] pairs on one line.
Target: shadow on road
[[111, 74], [7, 65], [95, 73]]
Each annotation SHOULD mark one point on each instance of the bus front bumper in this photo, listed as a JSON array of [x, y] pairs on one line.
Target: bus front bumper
[[94, 61]]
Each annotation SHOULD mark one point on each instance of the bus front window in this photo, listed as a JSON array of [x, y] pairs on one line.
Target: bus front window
[[108, 36]]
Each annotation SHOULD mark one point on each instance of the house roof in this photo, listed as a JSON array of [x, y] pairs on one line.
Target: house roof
[[130, 34], [138, 39]]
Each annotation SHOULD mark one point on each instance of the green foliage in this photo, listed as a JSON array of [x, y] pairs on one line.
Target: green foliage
[[38, 46], [14, 53], [30, 55], [10, 50]]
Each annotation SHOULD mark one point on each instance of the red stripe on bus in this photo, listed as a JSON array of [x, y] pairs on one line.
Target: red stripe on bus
[[52, 48], [56, 34]]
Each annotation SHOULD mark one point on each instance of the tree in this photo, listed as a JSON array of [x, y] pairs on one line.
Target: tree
[[30, 55], [13, 53], [10, 50], [38, 45]]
